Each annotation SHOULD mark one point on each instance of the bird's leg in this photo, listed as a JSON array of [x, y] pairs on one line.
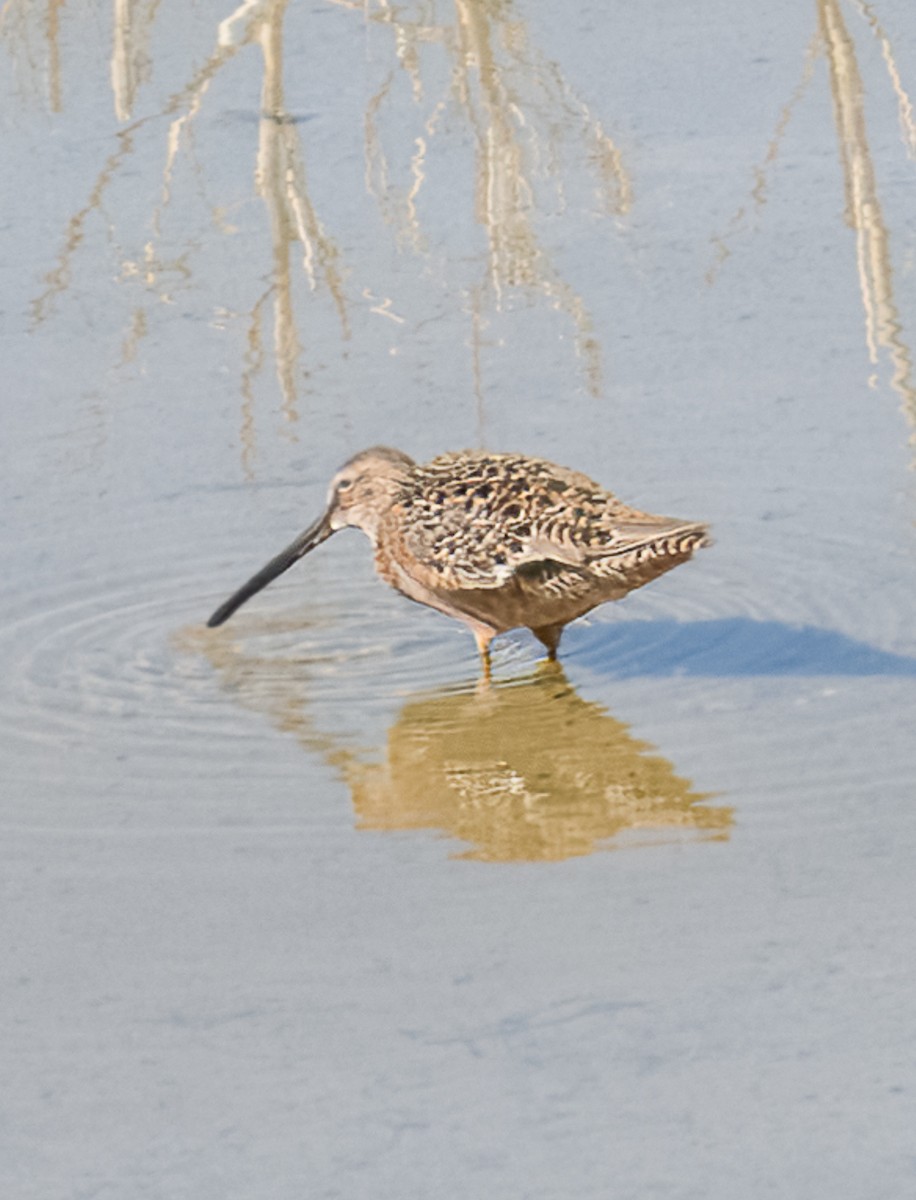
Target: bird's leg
[[550, 636], [483, 636]]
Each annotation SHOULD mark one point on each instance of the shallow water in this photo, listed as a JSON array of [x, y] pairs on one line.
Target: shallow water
[[294, 906]]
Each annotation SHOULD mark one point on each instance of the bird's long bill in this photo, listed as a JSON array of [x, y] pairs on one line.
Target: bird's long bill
[[306, 541]]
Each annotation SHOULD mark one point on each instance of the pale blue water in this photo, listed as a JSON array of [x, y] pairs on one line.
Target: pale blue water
[[253, 948]]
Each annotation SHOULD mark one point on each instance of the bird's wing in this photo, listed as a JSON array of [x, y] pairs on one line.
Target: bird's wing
[[644, 549], [475, 521]]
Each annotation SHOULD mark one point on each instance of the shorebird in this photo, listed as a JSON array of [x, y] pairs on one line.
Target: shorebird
[[498, 541]]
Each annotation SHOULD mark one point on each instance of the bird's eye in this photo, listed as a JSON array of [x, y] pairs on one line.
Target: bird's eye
[[344, 484]]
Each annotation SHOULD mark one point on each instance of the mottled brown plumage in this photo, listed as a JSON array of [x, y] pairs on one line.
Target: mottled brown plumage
[[495, 540]]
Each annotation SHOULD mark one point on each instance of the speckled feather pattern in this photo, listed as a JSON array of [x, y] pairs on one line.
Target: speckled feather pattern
[[475, 518], [546, 542]]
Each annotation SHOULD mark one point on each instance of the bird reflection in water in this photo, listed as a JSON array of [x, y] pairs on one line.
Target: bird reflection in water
[[523, 771]]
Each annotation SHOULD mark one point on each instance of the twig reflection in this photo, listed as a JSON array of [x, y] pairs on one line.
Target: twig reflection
[[281, 182], [280, 179], [521, 113], [131, 65], [904, 104], [29, 31], [526, 125], [760, 190], [863, 212], [863, 208]]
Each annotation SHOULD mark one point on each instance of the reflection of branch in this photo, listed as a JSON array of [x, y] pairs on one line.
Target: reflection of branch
[[759, 191], [54, 91], [397, 210], [15, 16], [512, 100], [863, 213], [280, 179], [904, 105], [135, 334], [254, 361], [58, 279], [615, 190], [130, 62], [281, 182], [505, 194], [863, 208]]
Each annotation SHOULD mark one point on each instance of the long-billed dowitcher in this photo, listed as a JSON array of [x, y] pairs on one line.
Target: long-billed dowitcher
[[496, 540]]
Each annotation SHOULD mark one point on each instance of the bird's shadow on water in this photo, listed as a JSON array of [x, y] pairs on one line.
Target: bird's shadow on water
[[728, 647]]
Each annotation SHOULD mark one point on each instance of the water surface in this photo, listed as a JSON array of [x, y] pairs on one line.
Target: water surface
[[295, 906]]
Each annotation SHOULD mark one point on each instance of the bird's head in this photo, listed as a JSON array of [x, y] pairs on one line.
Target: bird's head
[[360, 494], [363, 489]]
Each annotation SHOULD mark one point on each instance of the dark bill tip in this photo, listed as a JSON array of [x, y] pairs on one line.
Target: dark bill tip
[[312, 537]]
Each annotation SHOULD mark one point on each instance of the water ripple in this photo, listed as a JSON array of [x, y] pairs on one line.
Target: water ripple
[[115, 660], [119, 662]]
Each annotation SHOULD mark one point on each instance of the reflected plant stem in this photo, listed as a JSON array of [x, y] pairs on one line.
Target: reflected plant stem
[[281, 182], [137, 331], [504, 92], [191, 98], [130, 60], [254, 362], [281, 175], [863, 209], [17, 21], [760, 189], [616, 193], [505, 197], [53, 31], [397, 210], [58, 279], [904, 104]]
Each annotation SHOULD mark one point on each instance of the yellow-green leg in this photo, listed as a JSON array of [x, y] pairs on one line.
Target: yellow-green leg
[[483, 636]]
